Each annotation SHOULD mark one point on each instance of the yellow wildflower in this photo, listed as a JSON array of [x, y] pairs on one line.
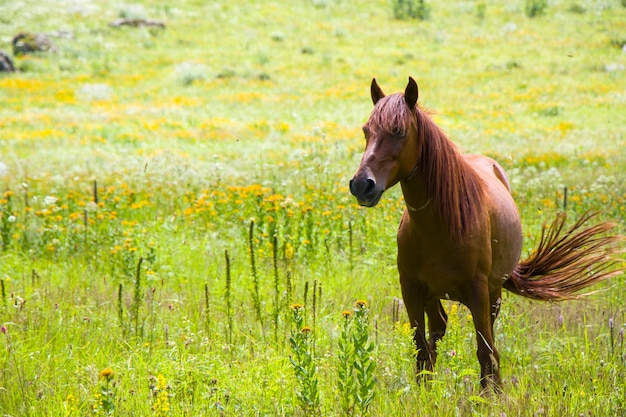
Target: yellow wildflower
[[107, 374]]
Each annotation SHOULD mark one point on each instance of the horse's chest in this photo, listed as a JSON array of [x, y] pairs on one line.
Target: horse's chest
[[444, 269], [441, 277]]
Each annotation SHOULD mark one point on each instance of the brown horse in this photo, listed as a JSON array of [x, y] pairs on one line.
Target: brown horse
[[460, 237]]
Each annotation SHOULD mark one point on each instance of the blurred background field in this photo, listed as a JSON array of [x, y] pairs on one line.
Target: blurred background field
[[168, 192]]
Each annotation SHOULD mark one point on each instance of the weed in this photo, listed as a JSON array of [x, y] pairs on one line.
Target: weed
[[256, 297], [364, 364], [189, 139], [303, 363], [7, 220], [346, 384], [276, 285], [229, 300], [189, 73], [160, 396], [104, 400], [481, 10], [576, 8], [120, 308], [135, 306], [207, 310], [3, 293]]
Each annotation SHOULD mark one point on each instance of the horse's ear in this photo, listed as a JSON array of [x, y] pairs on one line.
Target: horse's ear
[[411, 93], [377, 92]]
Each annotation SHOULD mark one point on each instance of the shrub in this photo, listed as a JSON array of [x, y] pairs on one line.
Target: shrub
[[411, 9], [534, 8]]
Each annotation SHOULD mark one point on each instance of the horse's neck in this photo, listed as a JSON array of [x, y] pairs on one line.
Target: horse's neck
[[415, 194]]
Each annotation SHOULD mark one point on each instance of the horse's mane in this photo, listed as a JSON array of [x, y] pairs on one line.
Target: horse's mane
[[454, 188]]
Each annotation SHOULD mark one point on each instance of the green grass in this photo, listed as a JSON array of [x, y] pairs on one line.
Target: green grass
[[239, 112]]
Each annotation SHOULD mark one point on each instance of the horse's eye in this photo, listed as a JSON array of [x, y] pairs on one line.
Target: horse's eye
[[397, 131]]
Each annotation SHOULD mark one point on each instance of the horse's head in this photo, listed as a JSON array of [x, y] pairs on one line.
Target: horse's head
[[390, 148]]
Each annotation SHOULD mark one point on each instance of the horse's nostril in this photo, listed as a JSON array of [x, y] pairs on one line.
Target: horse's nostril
[[362, 186], [365, 190]]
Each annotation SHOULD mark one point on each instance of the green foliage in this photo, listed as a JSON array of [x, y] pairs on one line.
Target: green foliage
[[7, 220], [535, 8], [364, 364], [576, 8], [304, 366], [104, 401], [256, 298], [160, 396], [127, 145], [346, 383], [481, 10], [355, 362], [410, 9], [229, 299]]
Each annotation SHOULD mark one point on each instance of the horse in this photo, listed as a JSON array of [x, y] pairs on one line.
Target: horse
[[460, 235]]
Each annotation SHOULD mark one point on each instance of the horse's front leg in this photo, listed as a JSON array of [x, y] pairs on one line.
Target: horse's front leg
[[413, 296], [437, 321]]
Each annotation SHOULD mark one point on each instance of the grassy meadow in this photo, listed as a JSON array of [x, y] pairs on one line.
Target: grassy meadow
[[177, 236]]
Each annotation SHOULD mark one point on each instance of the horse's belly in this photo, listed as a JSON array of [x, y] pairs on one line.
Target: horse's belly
[[447, 269]]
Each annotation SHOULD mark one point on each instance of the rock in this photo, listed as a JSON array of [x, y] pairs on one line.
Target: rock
[[137, 23], [6, 63], [25, 43], [62, 34]]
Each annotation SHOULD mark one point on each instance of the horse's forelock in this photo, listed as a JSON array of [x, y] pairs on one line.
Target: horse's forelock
[[392, 113]]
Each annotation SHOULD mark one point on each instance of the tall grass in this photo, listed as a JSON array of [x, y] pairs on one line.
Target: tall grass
[[166, 196]]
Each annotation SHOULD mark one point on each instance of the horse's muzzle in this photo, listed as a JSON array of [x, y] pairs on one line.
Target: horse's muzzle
[[366, 191]]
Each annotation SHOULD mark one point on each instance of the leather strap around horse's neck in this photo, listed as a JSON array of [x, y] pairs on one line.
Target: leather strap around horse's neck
[[414, 209]]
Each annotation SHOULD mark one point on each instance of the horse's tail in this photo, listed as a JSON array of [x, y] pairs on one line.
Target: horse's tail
[[567, 262]]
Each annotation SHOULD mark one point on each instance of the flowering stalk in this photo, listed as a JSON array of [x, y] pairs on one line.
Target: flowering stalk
[[120, 307], [256, 297], [345, 365], [229, 301], [5, 332], [7, 220], [105, 399], [161, 405], [276, 285], [363, 363], [303, 363], [207, 310], [3, 293], [135, 306]]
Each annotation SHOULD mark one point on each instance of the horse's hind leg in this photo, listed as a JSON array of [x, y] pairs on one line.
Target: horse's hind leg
[[479, 304], [437, 321]]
